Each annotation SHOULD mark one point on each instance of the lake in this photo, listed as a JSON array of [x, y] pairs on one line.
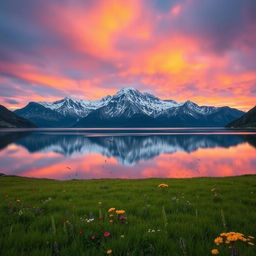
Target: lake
[[127, 153]]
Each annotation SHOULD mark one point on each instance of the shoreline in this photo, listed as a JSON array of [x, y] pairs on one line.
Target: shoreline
[[2, 175]]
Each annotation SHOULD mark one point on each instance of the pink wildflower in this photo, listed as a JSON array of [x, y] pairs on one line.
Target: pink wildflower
[[106, 234]]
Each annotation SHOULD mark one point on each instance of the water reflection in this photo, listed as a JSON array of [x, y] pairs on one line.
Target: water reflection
[[69, 155], [128, 150]]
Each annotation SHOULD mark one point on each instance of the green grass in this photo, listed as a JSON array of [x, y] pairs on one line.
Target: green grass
[[51, 215]]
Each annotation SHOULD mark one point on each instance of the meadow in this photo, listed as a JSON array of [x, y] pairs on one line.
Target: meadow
[[50, 217]]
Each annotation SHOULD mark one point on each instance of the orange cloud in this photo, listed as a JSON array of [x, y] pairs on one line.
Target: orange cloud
[[93, 29], [169, 56], [32, 74]]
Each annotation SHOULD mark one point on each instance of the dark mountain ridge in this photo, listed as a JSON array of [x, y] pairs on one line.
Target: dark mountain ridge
[[44, 117], [248, 120], [8, 119]]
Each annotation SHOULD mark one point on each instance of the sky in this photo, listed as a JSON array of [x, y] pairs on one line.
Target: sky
[[199, 50]]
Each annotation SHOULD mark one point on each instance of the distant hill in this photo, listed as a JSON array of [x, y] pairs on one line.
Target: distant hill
[[8, 119], [248, 120]]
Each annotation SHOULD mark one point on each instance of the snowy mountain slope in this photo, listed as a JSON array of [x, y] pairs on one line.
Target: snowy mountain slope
[[147, 103], [75, 108]]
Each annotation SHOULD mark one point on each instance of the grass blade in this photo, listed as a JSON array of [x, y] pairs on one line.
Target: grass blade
[[164, 217], [223, 220], [53, 225]]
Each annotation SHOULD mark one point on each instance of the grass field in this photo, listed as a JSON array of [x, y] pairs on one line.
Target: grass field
[[48, 217]]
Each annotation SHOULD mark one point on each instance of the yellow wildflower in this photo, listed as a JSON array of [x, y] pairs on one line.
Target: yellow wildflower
[[215, 251], [99, 203], [120, 211], [122, 236], [218, 240], [109, 251], [111, 209], [163, 185], [111, 215], [232, 238], [111, 221]]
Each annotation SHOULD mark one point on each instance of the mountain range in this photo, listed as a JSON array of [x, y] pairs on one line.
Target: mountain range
[[127, 108]]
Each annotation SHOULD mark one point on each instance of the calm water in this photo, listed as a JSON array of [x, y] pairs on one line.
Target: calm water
[[121, 153]]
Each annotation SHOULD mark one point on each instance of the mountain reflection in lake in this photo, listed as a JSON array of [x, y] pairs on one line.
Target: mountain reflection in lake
[[83, 155]]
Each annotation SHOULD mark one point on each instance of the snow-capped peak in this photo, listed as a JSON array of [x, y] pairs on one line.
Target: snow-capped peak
[[203, 110], [127, 90], [133, 93], [128, 93], [130, 101], [74, 107]]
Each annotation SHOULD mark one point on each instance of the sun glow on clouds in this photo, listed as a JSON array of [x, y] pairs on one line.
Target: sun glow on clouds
[[175, 50], [93, 30]]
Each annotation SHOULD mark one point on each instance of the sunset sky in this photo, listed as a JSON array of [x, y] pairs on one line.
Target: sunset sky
[[202, 50]]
